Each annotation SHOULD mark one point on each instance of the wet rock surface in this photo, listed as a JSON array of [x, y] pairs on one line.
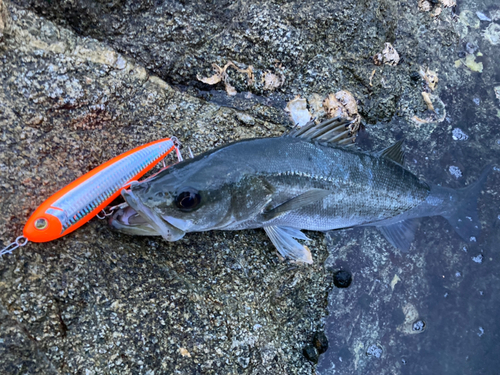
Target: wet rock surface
[[100, 302]]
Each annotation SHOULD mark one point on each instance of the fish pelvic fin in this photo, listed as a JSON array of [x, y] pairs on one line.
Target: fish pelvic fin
[[283, 239], [400, 234], [462, 214]]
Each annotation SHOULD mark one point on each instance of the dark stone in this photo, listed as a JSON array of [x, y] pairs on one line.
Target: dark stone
[[461, 54], [320, 342], [342, 279], [311, 353], [415, 76]]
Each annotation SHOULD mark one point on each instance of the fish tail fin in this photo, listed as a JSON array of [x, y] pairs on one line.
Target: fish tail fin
[[462, 213]]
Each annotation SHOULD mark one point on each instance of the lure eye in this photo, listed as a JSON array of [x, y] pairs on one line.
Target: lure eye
[[188, 200], [41, 223]]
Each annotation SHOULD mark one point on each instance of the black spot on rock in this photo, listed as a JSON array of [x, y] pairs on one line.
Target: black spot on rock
[[342, 279], [415, 76]]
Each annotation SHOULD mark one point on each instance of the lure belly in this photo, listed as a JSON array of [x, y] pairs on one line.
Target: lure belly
[[81, 200]]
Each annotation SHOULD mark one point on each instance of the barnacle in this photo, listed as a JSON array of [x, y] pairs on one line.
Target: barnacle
[[424, 5], [341, 106], [449, 3], [378, 59], [388, 56], [436, 6], [391, 56], [333, 107], [272, 81], [348, 101], [221, 75], [412, 324], [299, 113], [492, 34]]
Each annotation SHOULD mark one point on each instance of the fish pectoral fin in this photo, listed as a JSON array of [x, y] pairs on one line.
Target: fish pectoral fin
[[394, 152], [283, 239], [400, 234], [310, 196]]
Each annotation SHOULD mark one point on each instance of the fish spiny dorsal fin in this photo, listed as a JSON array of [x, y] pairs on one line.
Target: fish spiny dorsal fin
[[394, 152], [334, 130]]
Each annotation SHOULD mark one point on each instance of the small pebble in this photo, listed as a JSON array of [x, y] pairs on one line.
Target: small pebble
[[311, 353], [320, 342]]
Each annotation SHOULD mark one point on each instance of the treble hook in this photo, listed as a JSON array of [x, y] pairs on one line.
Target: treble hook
[[111, 210], [177, 145]]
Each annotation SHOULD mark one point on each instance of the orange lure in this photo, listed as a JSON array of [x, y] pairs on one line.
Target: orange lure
[[81, 200]]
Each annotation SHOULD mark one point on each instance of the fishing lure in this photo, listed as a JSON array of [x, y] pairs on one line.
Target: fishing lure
[[84, 198]]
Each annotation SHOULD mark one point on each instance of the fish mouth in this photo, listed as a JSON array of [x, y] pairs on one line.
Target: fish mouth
[[151, 221], [127, 220]]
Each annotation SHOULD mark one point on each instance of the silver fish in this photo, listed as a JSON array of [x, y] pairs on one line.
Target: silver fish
[[294, 182]]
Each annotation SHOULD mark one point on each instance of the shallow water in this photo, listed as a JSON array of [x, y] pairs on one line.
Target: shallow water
[[452, 287]]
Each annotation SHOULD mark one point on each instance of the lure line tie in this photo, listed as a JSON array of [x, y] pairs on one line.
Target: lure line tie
[[19, 242]]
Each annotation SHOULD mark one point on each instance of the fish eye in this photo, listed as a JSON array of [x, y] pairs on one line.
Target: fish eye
[[188, 200], [41, 223]]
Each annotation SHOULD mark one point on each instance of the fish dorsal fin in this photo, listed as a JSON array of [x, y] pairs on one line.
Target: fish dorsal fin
[[334, 130], [394, 152], [310, 196], [283, 238]]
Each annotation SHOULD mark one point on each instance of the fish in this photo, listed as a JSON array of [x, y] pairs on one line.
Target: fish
[[302, 180]]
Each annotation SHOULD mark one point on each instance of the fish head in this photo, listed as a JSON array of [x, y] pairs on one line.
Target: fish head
[[197, 195]]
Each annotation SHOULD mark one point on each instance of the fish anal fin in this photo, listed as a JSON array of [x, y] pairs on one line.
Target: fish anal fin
[[394, 152], [400, 234], [283, 238], [309, 197]]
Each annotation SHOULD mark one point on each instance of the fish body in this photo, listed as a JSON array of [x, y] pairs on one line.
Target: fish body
[[290, 183]]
